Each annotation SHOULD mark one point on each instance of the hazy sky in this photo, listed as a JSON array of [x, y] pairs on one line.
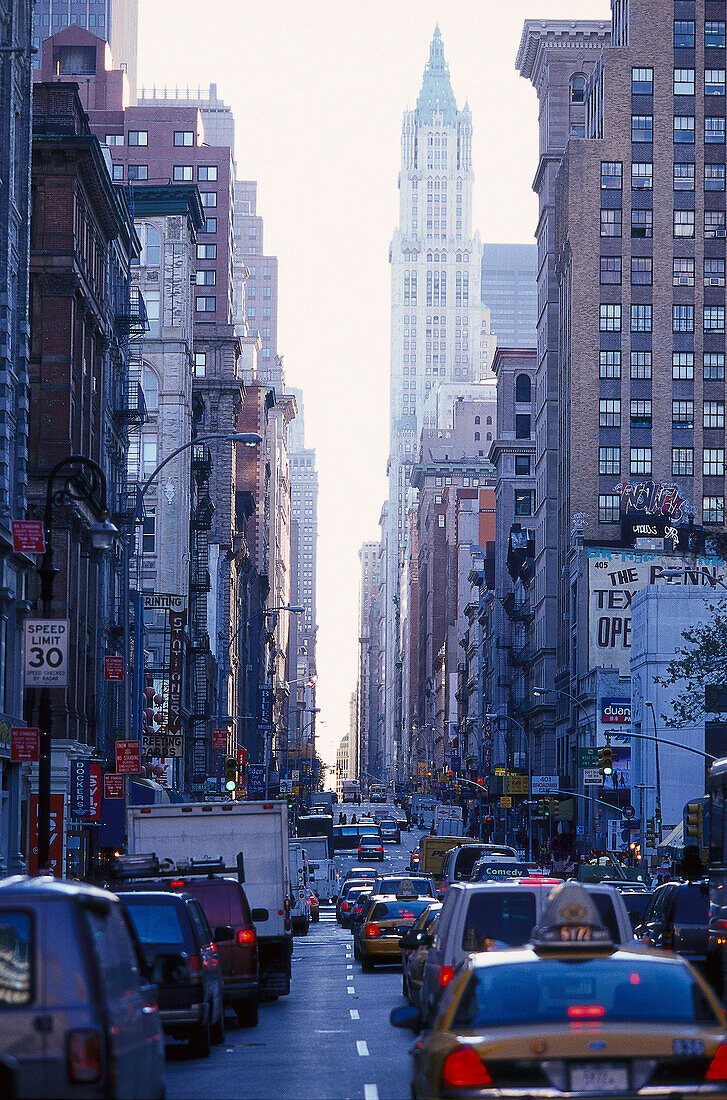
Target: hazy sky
[[318, 91]]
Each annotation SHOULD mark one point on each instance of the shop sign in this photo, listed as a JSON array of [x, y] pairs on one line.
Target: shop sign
[[616, 712]]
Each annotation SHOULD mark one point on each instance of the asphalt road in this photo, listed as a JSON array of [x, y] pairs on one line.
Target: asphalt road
[[329, 1040]]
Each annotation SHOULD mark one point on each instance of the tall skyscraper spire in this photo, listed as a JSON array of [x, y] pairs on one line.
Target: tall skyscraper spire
[[436, 93]]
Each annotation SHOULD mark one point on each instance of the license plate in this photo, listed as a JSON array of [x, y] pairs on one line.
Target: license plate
[[599, 1078]]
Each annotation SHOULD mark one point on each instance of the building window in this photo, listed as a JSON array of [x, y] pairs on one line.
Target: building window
[[641, 270], [713, 510], [522, 465], [683, 176], [682, 461], [682, 365], [200, 364], [611, 175], [713, 462], [713, 366], [149, 453], [683, 271], [138, 137], [209, 198], [523, 503], [208, 277], [210, 226], [682, 414], [714, 81], [440, 521], [207, 173], [684, 82], [522, 426], [522, 388], [641, 364], [610, 270], [683, 223], [714, 177], [477, 437], [642, 81], [641, 318], [610, 317], [148, 533], [117, 172], [138, 172], [609, 460], [682, 318], [151, 301], [206, 251], [713, 414], [184, 138], [642, 127], [609, 364], [114, 139], [641, 413], [609, 412], [642, 176], [714, 130], [684, 129], [642, 223], [206, 304], [610, 223], [183, 173], [714, 34], [714, 223], [714, 318], [578, 89], [609, 508], [684, 34], [641, 460]]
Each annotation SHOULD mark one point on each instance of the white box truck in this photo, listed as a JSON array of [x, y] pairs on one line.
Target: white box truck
[[322, 870], [447, 820], [256, 831]]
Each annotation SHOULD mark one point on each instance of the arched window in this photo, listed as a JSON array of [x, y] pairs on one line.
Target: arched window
[[489, 419], [477, 437], [151, 389], [489, 435], [477, 420], [151, 245], [578, 89], [522, 388]]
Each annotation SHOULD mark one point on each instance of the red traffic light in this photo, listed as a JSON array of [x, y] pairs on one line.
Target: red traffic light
[[480, 782], [489, 820], [450, 773]]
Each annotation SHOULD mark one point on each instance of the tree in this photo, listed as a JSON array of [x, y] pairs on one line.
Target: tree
[[703, 660]]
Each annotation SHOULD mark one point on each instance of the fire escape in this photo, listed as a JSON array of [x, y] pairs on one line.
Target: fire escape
[[202, 663]]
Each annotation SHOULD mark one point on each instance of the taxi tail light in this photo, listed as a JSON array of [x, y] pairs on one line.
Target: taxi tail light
[[194, 964], [246, 937], [718, 1067], [446, 973], [84, 1056], [372, 931], [464, 1069], [344, 906]]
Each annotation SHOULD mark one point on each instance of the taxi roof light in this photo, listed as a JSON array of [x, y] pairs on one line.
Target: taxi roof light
[[718, 1067], [570, 920], [464, 1068]]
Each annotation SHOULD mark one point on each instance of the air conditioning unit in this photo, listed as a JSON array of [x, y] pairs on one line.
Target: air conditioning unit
[[685, 280], [716, 280], [720, 233]]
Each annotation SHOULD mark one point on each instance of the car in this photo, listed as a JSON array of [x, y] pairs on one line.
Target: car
[[636, 902], [361, 873], [383, 922], [390, 832], [371, 845], [314, 906], [676, 919], [343, 904], [176, 937], [458, 863], [351, 901], [414, 946], [77, 1005], [478, 916], [359, 905], [572, 1014], [410, 885]]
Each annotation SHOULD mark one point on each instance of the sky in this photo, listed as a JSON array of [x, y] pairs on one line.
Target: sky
[[318, 89]]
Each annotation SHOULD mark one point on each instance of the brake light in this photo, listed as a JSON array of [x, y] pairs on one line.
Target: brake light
[[586, 1012], [372, 931], [718, 1067], [194, 964], [446, 973], [84, 1056], [464, 1069], [721, 924], [246, 937], [344, 906], [176, 884]]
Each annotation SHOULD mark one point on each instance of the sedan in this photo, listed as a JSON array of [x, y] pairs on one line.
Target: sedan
[[370, 847], [384, 921]]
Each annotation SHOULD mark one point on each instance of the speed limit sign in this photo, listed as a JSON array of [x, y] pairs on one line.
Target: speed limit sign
[[46, 652]]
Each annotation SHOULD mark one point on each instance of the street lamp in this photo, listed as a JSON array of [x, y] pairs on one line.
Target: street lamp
[[509, 718], [84, 481], [538, 693]]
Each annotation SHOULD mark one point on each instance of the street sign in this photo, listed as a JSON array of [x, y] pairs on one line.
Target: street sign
[[506, 802], [113, 785], [219, 741], [592, 777], [517, 784], [113, 669], [24, 743], [255, 781], [295, 775], [28, 536], [46, 652], [588, 758], [286, 786], [128, 757], [629, 813], [546, 784]]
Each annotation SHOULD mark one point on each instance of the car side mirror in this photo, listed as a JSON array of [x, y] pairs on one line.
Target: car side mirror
[[406, 1017], [260, 915], [224, 932], [409, 941], [170, 969]]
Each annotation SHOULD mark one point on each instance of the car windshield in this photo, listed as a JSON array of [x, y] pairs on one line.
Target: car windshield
[[562, 991], [156, 922], [501, 916], [394, 910]]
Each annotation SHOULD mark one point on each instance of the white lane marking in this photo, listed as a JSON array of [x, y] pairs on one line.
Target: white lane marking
[[354, 1014], [371, 1092], [350, 989], [363, 1048]]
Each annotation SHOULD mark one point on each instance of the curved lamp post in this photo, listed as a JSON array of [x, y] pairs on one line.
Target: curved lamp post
[[509, 718]]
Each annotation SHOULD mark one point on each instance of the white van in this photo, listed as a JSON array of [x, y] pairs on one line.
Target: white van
[[299, 883]]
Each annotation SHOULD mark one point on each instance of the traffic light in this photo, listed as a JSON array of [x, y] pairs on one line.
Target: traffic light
[[480, 781], [553, 808], [489, 826], [230, 773], [693, 822], [605, 760], [544, 807]]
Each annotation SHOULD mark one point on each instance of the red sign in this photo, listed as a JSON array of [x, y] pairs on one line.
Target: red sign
[[219, 741], [55, 852], [28, 536], [128, 757], [113, 669], [241, 769], [176, 670], [113, 785], [24, 743]]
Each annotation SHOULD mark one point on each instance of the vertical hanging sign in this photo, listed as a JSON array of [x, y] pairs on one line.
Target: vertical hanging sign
[[176, 671]]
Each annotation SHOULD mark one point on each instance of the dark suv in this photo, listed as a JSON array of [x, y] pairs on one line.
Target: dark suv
[[177, 941], [676, 919]]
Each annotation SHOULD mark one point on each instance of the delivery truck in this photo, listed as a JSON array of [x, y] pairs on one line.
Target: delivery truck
[[251, 839]]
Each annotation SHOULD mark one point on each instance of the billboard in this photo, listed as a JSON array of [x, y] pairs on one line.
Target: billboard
[[614, 576]]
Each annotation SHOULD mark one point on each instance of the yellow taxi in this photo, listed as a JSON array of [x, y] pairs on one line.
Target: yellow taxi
[[573, 1016], [384, 921]]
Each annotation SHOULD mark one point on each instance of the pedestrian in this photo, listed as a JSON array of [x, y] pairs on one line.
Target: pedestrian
[[353, 820], [343, 819]]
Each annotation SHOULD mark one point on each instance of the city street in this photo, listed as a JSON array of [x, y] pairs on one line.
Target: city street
[[331, 1038]]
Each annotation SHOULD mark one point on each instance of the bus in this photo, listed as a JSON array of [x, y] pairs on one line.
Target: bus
[[351, 790], [378, 792]]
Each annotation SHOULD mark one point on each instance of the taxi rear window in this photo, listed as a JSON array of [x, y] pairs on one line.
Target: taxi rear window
[[16, 956], [405, 910], [393, 885], [578, 991], [505, 916]]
